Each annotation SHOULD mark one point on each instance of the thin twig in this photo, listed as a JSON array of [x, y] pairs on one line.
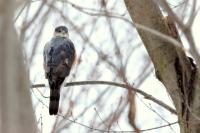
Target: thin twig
[[95, 129], [146, 95]]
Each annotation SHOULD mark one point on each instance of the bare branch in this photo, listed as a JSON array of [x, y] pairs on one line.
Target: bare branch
[[147, 96]]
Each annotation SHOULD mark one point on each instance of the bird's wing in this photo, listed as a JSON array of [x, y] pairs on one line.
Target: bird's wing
[[70, 53], [45, 57], [59, 56], [65, 58]]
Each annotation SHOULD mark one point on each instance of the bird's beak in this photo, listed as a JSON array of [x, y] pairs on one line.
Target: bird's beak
[[63, 32]]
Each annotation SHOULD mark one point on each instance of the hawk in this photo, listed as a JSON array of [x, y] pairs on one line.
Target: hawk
[[59, 56]]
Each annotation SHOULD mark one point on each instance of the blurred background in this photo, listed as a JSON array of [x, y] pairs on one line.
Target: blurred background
[[108, 48]]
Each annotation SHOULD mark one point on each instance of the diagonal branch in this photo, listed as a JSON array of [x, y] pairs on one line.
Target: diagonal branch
[[125, 86]]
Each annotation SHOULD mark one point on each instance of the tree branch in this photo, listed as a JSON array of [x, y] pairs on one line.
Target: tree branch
[[126, 86], [172, 66]]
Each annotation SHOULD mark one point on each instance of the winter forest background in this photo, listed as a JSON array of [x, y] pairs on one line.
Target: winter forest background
[[122, 81]]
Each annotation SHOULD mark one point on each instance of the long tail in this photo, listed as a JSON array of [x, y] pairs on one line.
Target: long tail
[[54, 99]]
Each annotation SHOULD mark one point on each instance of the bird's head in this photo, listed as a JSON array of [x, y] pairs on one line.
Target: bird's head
[[61, 31]]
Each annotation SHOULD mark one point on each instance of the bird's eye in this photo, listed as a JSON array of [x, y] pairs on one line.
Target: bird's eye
[[59, 30]]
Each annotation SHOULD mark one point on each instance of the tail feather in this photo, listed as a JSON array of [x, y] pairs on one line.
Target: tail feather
[[54, 101], [55, 96]]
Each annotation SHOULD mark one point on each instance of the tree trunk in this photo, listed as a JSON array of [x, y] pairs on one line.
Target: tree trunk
[[173, 68], [16, 112]]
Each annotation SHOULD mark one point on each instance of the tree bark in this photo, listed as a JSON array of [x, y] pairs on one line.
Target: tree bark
[[16, 112], [173, 68]]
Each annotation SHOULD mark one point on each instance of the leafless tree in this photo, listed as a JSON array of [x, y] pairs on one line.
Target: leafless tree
[[173, 68], [107, 85], [16, 112]]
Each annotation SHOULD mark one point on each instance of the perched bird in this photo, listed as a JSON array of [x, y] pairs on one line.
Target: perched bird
[[59, 57]]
